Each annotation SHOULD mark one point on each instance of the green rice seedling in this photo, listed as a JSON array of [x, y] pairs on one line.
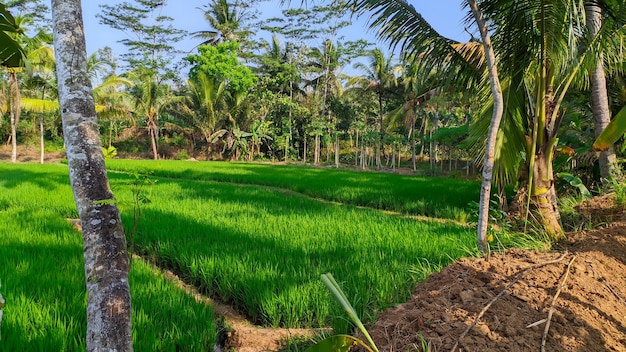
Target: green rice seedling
[[41, 265], [261, 249], [417, 195], [2, 302]]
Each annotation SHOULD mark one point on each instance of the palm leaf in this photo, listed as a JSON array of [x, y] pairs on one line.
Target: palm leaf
[[614, 131], [39, 105]]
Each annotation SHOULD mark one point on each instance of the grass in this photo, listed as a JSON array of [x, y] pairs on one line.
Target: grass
[[415, 195], [262, 249], [43, 279]]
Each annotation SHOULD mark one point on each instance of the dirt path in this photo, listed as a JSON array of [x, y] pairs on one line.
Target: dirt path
[[243, 335]]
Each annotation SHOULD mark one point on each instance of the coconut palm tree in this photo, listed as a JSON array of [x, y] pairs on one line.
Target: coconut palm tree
[[380, 76], [205, 99], [35, 48], [225, 19], [541, 52], [599, 93]]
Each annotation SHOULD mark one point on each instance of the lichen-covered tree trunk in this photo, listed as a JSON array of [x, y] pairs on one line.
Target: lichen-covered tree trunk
[[106, 260], [498, 110], [599, 96]]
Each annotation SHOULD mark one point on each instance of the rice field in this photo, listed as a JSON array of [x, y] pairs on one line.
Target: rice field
[[260, 249], [43, 280], [415, 195]]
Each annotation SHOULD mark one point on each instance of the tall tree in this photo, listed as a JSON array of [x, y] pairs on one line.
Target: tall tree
[[228, 22], [106, 260], [599, 94], [152, 38], [151, 49], [494, 126], [380, 77], [24, 24]]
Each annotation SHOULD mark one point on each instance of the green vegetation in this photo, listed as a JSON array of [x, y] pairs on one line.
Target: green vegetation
[[260, 249], [433, 197], [43, 280]]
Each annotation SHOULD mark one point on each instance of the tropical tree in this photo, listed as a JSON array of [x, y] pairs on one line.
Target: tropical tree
[[113, 101], [106, 261], [40, 76], [151, 95], [205, 100], [599, 94], [33, 47], [380, 76], [227, 21], [541, 52]]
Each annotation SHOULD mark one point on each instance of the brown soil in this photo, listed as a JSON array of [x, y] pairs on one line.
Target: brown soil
[[589, 311], [29, 155]]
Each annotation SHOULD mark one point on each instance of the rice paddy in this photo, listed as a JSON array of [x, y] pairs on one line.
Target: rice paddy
[[255, 236]]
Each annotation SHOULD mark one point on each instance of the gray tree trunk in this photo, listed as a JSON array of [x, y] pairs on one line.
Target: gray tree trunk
[[42, 145], [15, 101], [599, 98], [106, 259], [498, 110]]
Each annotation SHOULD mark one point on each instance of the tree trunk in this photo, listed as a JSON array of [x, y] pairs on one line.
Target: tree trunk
[[41, 139], [542, 195], [356, 150], [15, 102], [304, 158], [337, 151], [413, 151], [599, 98], [105, 255], [316, 157], [152, 131], [496, 117]]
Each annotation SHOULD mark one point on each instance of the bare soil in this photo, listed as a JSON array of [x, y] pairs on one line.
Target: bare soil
[[589, 313]]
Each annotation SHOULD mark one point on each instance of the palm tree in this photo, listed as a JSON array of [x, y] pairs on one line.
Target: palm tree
[[380, 76], [12, 54], [113, 101], [324, 67], [33, 47], [40, 75], [599, 94], [151, 96], [225, 19], [205, 99], [541, 54]]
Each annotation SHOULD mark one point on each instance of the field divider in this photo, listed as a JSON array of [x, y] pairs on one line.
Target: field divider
[[240, 332], [287, 191]]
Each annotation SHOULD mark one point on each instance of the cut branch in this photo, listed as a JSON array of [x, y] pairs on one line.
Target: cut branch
[[556, 295]]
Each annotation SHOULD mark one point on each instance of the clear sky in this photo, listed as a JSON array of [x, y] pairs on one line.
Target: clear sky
[[446, 16]]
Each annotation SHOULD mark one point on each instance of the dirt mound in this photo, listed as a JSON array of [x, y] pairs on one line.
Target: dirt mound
[[589, 311]]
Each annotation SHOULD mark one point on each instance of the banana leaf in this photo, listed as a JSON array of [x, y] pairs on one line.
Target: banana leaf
[[612, 132]]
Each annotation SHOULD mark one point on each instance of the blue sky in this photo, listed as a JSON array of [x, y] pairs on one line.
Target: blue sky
[[446, 16]]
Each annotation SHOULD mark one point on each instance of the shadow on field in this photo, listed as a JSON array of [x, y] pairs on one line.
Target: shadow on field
[[416, 195], [263, 251], [46, 177]]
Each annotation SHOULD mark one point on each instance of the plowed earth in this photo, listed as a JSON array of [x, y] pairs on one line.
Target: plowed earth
[[589, 312]]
